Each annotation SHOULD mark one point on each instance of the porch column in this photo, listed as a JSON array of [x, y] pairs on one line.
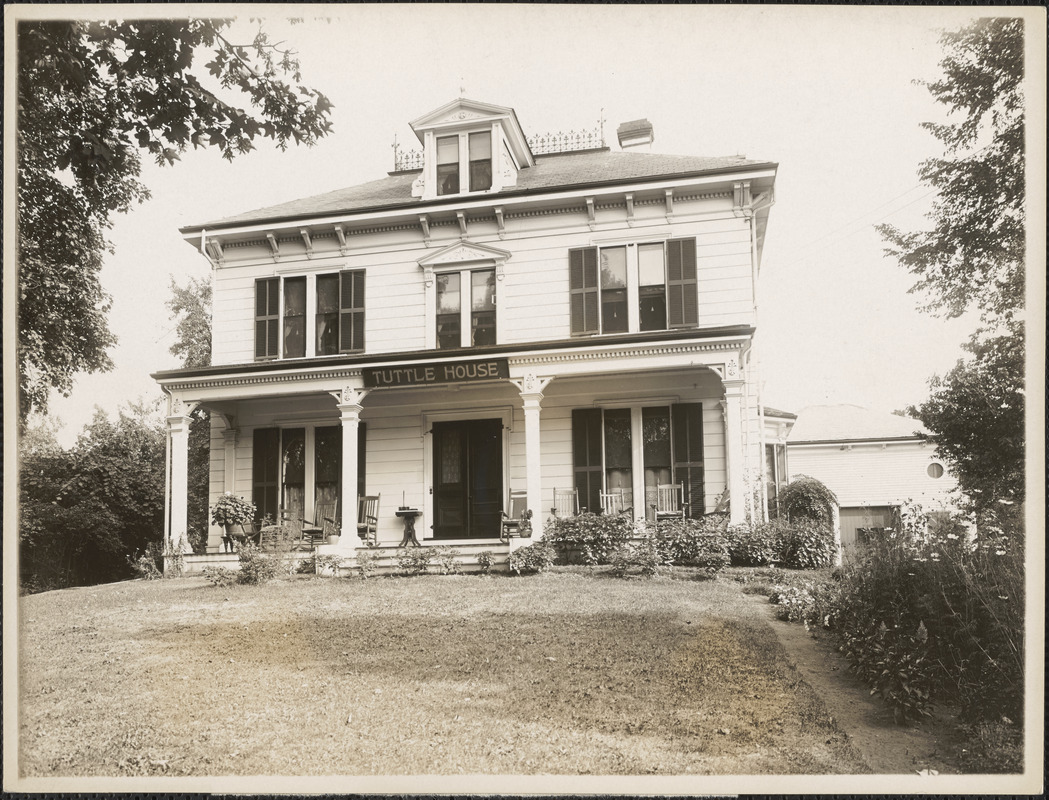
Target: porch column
[[350, 408], [178, 432], [734, 455], [531, 389]]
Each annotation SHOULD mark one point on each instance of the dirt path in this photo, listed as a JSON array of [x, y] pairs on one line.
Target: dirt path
[[890, 749]]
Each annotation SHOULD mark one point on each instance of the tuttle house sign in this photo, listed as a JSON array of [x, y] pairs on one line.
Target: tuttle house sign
[[431, 374]]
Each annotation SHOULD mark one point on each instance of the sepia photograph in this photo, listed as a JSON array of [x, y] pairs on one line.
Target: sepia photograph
[[524, 399]]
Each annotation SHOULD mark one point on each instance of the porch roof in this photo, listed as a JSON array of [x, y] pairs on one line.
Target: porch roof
[[492, 351]]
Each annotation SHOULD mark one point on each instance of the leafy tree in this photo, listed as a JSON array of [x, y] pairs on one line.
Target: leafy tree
[[974, 253], [974, 256], [976, 414], [92, 97], [83, 511], [190, 306]]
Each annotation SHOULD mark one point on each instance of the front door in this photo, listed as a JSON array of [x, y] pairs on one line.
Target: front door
[[468, 478]]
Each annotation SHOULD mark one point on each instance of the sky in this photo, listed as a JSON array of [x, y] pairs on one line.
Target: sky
[[828, 93]]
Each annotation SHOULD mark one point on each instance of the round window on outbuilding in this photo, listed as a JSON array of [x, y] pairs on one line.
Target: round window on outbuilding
[[935, 470]]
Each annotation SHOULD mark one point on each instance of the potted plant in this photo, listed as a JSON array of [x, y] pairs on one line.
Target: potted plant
[[230, 510]]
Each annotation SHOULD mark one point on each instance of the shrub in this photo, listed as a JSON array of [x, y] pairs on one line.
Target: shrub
[[307, 566], [944, 616], [257, 567], [536, 557], [219, 576], [144, 565], [693, 542], [485, 559], [643, 556], [757, 545], [589, 538], [367, 563], [414, 560], [447, 559], [806, 544], [807, 498], [993, 747], [328, 561]]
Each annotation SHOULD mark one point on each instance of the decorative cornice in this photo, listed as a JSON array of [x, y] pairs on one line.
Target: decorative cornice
[[256, 380], [625, 352]]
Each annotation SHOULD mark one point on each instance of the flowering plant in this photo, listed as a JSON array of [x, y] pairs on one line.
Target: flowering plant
[[232, 510]]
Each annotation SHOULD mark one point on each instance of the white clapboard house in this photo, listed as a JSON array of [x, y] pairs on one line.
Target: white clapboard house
[[552, 318], [873, 461]]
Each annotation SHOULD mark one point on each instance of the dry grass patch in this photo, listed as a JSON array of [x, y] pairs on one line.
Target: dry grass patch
[[560, 673]]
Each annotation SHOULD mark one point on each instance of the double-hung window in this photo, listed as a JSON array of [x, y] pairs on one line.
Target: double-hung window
[[472, 168], [465, 324], [283, 315], [647, 286], [340, 313]]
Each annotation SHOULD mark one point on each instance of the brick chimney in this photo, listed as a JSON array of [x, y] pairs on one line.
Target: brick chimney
[[637, 134]]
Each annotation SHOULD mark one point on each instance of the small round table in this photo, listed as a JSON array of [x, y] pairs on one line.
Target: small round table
[[409, 515]]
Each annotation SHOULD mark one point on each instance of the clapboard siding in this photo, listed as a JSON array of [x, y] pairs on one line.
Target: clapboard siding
[[533, 296], [870, 475]]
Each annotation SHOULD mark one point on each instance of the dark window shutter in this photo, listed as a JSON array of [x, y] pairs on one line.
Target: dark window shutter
[[583, 290], [687, 424], [586, 456], [265, 471], [351, 311], [682, 298], [266, 320]]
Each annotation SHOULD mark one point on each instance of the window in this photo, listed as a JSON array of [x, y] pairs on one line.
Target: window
[[605, 457], [652, 287], [664, 294], [267, 299], [448, 165], [775, 474], [460, 324], [340, 313], [449, 311], [295, 317], [480, 161], [934, 470], [474, 167], [338, 318], [613, 290]]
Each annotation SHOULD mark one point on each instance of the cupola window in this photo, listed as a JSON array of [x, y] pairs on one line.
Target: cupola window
[[480, 161], [448, 165]]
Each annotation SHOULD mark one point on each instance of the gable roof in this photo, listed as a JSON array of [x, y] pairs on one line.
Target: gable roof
[[851, 423], [552, 171]]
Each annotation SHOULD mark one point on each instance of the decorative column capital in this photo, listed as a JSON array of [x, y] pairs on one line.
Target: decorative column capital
[[349, 400], [733, 389], [179, 412], [230, 435], [531, 387]]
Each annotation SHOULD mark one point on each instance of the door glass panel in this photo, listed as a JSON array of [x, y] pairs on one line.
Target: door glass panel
[[618, 454], [328, 460], [655, 427], [293, 467]]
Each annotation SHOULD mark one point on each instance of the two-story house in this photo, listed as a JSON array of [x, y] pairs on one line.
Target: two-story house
[[489, 320]]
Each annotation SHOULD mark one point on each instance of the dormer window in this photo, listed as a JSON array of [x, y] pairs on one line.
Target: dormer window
[[477, 165]]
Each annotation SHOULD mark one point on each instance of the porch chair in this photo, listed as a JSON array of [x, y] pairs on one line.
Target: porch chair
[[512, 522], [669, 504], [368, 519], [566, 503], [614, 502], [316, 531], [286, 533]]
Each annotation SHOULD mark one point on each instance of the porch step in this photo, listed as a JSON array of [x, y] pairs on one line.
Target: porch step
[[385, 558]]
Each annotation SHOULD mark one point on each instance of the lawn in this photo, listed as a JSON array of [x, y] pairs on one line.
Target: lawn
[[563, 673]]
